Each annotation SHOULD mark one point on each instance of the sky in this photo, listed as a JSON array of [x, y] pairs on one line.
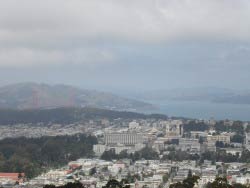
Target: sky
[[126, 45]]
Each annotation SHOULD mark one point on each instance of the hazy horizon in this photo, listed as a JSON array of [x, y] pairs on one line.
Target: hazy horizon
[[144, 45]]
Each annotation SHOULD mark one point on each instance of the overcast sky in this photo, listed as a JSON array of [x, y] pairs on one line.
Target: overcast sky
[[126, 44]]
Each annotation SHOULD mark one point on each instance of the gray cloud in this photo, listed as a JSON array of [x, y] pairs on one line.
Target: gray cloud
[[127, 40], [31, 24], [148, 20]]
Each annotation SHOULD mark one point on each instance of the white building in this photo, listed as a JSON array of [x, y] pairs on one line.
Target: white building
[[123, 138], [189, 144], [99, 149], [225, 138], [134, 125]]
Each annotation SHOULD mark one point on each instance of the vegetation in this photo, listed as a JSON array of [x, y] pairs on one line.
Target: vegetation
[[66, 115], [195, 126], [33, 155], [116, 184], [68, 185], [145, 153], [189, 182], [165, 178], [237, 127], [219, 182], [110, 184], [237, 138], [180, 156]]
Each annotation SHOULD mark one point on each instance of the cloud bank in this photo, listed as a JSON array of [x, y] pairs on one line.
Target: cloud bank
[[63, 32]]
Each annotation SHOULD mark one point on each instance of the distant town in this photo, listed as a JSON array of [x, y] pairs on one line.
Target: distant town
[[147, 152]]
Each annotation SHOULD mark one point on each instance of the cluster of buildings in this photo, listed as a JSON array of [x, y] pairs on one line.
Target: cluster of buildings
[[161, 135], [130, 136], [95, 173], [165, 134], [35, 131]]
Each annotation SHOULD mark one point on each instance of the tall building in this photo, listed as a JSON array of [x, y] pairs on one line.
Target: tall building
[[123, 138]]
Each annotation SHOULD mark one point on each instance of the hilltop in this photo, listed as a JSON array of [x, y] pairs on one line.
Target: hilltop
[[44, 96]]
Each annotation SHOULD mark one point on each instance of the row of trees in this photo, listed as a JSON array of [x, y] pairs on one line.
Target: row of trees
[[178, 155], [237, 127], [195, 126], [220, 126], [222, 156], [145, 153], [110, 184], [219, 182]]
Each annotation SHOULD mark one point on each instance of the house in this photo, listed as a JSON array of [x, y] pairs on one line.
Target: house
[[15, 177]]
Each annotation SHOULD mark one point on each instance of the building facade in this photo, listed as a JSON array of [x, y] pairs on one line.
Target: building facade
[[123, 138]]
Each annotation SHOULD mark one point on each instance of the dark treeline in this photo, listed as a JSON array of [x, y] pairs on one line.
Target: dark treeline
[[33, 155], [179, 155], [237, 127], [148, 153], [66, 115], [222, 156], [112, 183], [220, 126], [145, 153], [194, 126]]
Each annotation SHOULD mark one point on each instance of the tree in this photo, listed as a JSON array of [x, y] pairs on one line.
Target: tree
[[219, 182], [189, 182], [190, 174], [165, 178], [124, 183], [32, 155], [49, 186], [245, 156], [68, 185], [112, 183], [92, 171], [108, 155], [237, 138]]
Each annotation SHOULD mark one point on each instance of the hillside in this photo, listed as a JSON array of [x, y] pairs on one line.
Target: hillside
[[66, 115], [37, 96]]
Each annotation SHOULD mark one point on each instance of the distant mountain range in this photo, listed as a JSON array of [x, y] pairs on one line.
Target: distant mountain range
[[44, 96], [211, 94]]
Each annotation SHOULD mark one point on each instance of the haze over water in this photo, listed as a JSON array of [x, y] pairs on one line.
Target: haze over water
[[205, 110]]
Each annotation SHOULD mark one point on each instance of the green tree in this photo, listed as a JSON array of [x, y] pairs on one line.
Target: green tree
[[92, 171], [165, 178], [189, 182], [219, 182], [113, 184]]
